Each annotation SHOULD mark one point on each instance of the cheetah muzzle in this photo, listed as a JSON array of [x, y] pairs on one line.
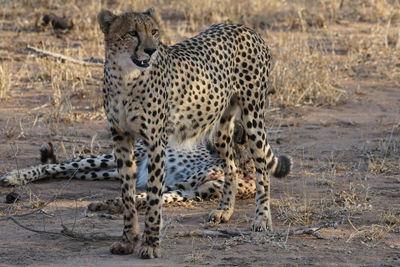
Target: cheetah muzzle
[[178, 96]]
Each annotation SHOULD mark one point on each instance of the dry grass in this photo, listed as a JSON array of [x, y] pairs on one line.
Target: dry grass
[[385, 156], [306, 70], [390, 217], [374, 53], [302, 75], [347, 195], [5, 81], [195, 256], [305, 211], [372, 235]]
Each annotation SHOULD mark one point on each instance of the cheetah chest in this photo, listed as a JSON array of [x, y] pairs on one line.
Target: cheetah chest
[[124, 115]]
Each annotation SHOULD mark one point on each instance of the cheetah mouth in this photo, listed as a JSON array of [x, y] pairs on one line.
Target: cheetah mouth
[[141, 63]]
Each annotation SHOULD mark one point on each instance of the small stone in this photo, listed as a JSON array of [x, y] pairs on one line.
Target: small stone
[[12, 198]]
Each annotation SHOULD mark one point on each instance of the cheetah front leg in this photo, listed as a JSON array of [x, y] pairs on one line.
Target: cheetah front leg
[[125, 159], [153, 222]]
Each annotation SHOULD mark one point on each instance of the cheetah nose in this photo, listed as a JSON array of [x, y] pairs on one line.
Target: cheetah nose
[[150, 51]]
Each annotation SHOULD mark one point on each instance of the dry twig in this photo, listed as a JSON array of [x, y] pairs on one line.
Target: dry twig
[[31, 229], [63, 57], [95, 236]]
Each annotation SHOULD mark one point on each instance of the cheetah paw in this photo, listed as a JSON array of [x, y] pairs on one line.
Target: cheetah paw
[[149, 252], [97, 206], [220, 216], [122, 248], [260, 226], [10, 179], [4, 181], [141, 203]]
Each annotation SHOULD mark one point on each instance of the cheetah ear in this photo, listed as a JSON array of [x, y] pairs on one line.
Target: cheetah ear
[[105, 18], [153, 14], [150, 12]]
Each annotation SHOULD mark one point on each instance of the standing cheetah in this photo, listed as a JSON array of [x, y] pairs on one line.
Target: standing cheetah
[[180, 95]]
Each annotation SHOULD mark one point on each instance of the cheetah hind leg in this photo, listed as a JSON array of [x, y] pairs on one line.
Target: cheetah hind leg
[[111, 206], [265, 162], [225, 147], [115, 205]]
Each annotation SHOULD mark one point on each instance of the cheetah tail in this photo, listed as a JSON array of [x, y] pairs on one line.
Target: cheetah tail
[[282, 167]]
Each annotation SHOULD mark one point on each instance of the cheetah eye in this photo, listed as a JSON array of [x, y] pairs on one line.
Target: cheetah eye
[[133, 33], [154, 32]]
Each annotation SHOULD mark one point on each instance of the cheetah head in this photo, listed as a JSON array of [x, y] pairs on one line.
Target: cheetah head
[[131, 39]]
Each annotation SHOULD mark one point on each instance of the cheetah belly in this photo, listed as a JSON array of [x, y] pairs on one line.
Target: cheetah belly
[[185, 133]]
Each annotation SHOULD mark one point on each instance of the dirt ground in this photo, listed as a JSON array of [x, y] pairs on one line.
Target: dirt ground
[[344, 168]]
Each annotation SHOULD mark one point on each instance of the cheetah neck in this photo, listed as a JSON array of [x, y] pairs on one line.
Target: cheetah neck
[[125, 75]]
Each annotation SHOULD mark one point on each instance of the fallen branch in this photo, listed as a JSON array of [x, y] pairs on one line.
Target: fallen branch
[[222, 232], [63, 57], [95, 236], [230, 232]]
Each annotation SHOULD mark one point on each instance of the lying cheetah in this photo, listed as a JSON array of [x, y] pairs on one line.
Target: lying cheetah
[[177, 96], [190, 174], [195, 173]]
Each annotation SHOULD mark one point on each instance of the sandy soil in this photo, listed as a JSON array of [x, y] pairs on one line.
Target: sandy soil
[[328, 144]]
